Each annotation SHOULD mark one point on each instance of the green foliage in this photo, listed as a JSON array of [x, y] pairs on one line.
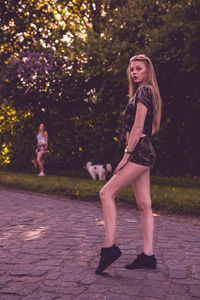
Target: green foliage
[[14, 126], [81, 98], [177, 59]]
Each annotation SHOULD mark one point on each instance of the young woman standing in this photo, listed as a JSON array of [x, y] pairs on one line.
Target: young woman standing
[[141, 119], [42, 144]]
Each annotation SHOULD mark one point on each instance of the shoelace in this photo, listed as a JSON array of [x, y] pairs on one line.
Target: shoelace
[[139, 256]]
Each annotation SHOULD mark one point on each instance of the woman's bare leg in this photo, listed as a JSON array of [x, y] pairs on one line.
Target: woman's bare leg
[[122, 179], [34, 162], [40, 161], [141, 188]]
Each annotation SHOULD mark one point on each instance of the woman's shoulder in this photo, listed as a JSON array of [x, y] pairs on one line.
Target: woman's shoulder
[[144, 94], [145, 91]]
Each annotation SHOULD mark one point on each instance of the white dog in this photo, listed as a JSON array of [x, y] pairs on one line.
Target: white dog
[[98, 170]]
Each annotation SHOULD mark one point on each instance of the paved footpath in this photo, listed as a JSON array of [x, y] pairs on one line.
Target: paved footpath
[[49, 248]]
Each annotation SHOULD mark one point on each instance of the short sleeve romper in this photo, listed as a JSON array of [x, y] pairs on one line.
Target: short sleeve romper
[[143, 153]]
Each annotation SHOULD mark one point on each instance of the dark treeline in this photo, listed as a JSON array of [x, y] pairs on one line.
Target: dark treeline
[[64, 63]]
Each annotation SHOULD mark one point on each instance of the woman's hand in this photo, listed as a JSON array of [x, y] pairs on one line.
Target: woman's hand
[[122, 163]]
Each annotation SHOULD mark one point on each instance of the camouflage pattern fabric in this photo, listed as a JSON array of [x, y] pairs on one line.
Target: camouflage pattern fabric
[[144, 153]]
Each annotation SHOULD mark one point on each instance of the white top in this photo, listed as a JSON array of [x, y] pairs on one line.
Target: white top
[[41, 139]]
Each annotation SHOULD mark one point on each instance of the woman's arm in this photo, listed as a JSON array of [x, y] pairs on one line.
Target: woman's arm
[[46, 137], [138, 126], [135, 134]]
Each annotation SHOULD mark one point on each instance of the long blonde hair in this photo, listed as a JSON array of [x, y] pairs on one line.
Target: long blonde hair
[[150, 81]]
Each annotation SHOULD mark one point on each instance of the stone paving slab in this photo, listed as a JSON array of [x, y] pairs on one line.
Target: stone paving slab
[[49, 248]]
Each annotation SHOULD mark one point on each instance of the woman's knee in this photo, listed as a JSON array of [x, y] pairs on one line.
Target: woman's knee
[[144, 205], [104, 194]]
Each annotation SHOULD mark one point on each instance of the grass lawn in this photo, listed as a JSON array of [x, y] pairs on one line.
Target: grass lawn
[[168, 195]]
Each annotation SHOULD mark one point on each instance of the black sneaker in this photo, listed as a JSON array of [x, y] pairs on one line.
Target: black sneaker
[[142, 261], [108, 256]]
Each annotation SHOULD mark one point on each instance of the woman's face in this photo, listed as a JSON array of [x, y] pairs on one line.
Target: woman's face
[[138, 71], [41, 126]]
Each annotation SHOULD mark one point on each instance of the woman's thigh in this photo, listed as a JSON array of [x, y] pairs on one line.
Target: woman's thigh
[[125, 177]]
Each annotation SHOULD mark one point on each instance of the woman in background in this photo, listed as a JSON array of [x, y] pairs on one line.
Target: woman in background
[[42, 144]]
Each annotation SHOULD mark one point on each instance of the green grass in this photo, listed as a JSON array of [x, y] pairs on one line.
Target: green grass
[[165, 198], [186, 182]]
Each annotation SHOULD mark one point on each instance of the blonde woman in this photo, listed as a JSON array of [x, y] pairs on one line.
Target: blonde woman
[[142, 117], [42, 144]]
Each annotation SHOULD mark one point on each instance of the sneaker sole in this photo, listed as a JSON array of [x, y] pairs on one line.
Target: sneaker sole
[[136, 268]]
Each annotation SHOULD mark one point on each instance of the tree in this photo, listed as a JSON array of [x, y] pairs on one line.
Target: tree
[[177, 57], [67, 62]]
